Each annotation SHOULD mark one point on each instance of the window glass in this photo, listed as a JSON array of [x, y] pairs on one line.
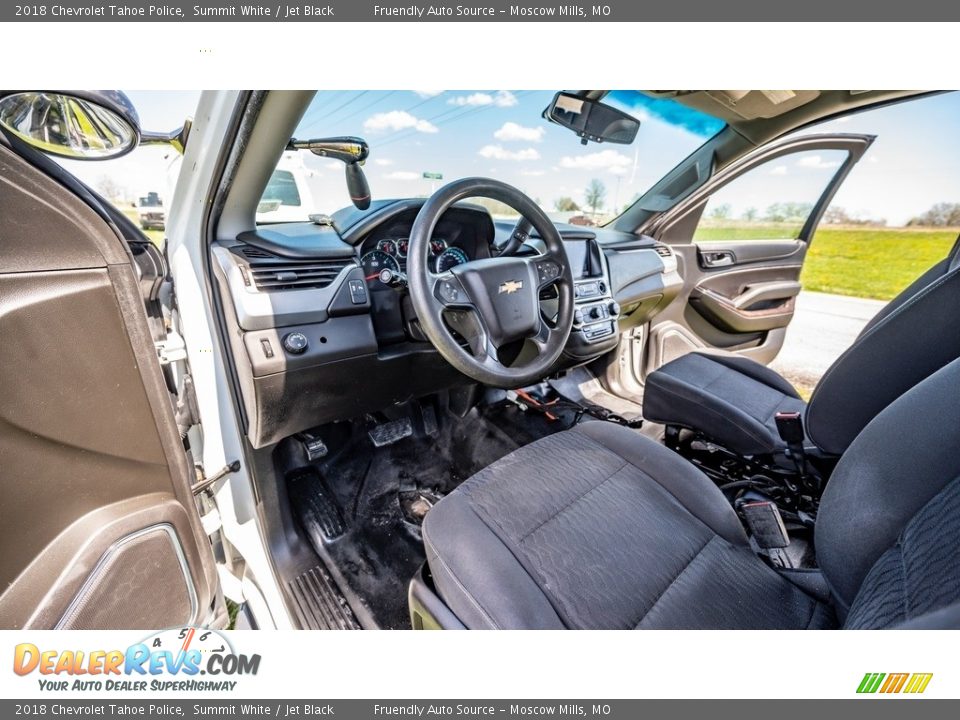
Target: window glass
[[421, 140], [771, 201], [282, 188]]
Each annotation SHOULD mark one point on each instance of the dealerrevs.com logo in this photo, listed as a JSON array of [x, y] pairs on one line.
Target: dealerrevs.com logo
[[183, 659], [894, 683]]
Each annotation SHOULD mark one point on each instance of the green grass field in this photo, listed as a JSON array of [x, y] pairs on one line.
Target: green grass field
[[857, 261]]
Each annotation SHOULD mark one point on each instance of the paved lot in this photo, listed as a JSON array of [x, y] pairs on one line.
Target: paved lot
[[822, 329]]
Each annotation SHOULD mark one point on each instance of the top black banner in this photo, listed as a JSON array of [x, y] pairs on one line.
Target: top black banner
[[488, 11]]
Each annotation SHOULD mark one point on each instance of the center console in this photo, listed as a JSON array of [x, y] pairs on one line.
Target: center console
[[596, 313]]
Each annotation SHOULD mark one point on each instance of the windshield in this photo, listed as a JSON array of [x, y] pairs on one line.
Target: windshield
[[422, 140]]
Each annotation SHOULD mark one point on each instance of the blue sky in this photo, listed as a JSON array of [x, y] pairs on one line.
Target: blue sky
[[499, 134], [914, 163]]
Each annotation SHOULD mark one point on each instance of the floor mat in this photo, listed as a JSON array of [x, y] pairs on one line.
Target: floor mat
[[350, 502]]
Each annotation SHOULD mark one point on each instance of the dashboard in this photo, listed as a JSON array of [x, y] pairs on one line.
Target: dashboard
[[321, 327]]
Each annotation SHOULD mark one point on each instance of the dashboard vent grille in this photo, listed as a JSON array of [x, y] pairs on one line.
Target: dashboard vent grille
[[297, 276], [256, 254], [663, 250]]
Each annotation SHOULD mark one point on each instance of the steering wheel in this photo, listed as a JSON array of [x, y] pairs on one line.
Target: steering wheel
[[491, 302]]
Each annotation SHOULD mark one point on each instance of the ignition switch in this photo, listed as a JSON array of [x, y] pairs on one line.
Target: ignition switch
[[392, 278]]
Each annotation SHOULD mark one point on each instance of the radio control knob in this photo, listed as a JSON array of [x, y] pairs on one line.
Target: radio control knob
[[596, 312], [614, 308]]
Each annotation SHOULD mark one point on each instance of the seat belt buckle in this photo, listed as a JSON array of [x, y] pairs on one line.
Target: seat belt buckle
[[790, 428], [765, 524]]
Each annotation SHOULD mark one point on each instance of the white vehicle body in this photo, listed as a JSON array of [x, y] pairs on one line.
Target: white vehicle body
[[222, 438]]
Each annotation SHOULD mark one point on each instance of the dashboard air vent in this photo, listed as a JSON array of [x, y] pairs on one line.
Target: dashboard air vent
[[296, 275], [663, 250], [256, 253]]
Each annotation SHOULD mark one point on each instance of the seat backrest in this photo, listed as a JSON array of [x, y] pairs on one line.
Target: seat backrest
[[915, 335], [889, 523]]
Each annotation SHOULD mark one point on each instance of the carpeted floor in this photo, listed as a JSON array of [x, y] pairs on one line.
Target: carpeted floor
[[357, 494]]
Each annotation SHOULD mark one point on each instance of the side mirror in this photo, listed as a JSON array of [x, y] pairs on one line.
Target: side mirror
[[81, 125], [95, 125], [592, 120]]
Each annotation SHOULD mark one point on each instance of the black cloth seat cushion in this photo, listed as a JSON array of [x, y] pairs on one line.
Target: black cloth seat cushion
[[600, 527], [730, 399]]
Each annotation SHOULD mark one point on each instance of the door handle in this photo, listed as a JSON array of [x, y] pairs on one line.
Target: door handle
[[716, 258]]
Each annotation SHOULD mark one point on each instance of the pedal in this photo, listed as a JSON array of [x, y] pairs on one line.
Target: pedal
[[430, 426], [766, 525], [313, 446], [390, 432], [318, 506]]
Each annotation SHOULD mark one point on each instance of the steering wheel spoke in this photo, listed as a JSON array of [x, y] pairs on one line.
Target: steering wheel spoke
[[541, 339], [469, 324]]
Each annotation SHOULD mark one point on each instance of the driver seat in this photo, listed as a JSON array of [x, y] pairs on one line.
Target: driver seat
[[600, 527]]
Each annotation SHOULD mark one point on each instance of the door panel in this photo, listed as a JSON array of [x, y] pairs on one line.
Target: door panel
[[741, 307], [742, 276], [97, 522]]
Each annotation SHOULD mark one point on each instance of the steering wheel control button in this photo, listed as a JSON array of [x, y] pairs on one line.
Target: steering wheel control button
[[548, 271], [450, 291], [358, 291], [295, 343]]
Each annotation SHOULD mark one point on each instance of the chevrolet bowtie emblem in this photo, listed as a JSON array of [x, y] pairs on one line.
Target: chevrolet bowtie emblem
[[510, 286]]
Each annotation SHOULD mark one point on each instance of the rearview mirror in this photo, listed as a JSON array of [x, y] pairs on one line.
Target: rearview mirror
[[82, 125], [592, 120]]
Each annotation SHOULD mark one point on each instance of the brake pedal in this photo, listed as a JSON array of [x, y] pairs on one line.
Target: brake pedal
[[390, 432]]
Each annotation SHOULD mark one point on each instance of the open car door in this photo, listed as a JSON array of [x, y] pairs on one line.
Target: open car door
[[98, 523], [741, 239]]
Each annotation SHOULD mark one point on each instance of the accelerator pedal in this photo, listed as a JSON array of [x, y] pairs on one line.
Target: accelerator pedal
[[390, 432]]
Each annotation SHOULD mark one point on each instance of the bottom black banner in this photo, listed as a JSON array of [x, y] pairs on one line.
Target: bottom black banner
[[875, 709]]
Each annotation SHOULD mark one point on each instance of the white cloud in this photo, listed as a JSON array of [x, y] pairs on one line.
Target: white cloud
[[511, 131], [397, 120], [778, 170], [609, 160], [402, 175], [817, 162], [498, 152], [428, 93], [383, 162], [533, 173], [333, 165], [501, 98]]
